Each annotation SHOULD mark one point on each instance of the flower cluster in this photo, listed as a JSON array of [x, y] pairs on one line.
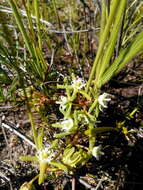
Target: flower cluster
[[45, 155], [103, 100], [63, 102], [78, 83], [67, 124]]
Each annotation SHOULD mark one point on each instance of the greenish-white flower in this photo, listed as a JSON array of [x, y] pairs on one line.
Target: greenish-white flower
[[63, 102], [78, 83], [103, 100], [67, 124], [45, 155], [97, 152]]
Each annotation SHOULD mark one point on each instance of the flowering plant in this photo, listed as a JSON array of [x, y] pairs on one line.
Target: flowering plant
[[74, 139]]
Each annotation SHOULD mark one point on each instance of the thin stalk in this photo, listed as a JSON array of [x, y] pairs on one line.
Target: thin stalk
[[103, 41], [38, 63], [103, 18], [37, 14], [93, 106], [112, 41], [33, 37], [34, 131], [56, 13], [120, 35], [21, 27], [41, 65], [124, 57], [92, 138], [136, 48], [113, 68], [24, 33]]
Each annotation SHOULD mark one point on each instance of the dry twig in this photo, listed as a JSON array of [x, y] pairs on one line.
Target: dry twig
[[18, 134]]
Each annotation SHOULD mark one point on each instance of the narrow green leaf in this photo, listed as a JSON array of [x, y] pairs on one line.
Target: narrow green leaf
[[43, 167], [21, 27], [37, 13], [59, 165], [103, 41], [111, 42], [28, 158], [124, 57]]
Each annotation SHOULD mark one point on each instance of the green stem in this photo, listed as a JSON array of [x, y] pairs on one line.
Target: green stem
[[124, 57], [111, 42], [37, 14], [103, 19], [103, 40], [21, 27], [34, 131]]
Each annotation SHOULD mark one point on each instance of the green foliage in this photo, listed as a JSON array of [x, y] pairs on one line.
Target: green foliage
[[38, 63], [2, 97]]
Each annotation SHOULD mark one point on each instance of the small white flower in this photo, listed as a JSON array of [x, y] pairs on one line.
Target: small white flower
[[103, 100], [78, 83], [63, 102], [67, 124], [45, 155], [96, 152]]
